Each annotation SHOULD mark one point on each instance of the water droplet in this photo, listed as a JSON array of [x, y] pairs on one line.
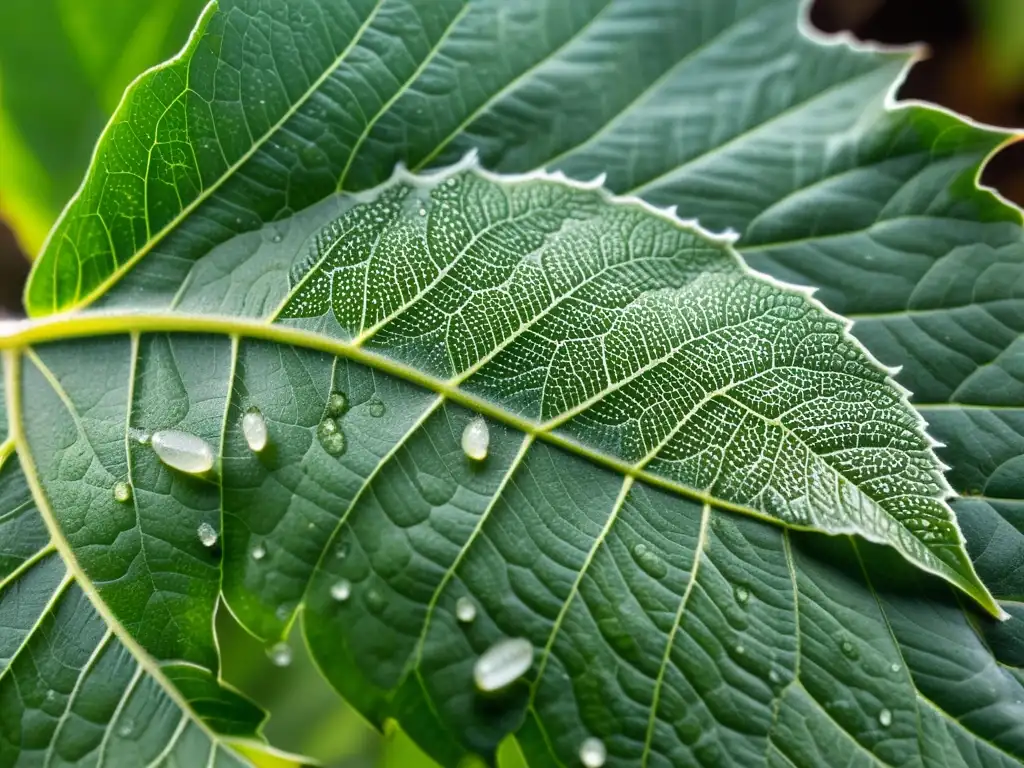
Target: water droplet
[[375, 602], [849, 650], [122, 492], [258, 552], [740, 650], [310, 156], [337, 404], [652, 565], [377, 408], [254, 427], [331, 438], [207, 535], [476, 437], [183, 451], [774, 676], [51, 695], [342, 551], [126, 728], [742, 595], [465, 610], [885, 718], [341, 590], [593, 753], [895, 667], [280, 654], [138, 435], [503, 663]]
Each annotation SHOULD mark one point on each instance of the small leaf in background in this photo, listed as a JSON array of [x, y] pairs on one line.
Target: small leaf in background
[[63, 67]]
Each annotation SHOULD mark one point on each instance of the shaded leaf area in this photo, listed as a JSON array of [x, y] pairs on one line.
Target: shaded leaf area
[[675, 630], [64, 67], [71, 694]]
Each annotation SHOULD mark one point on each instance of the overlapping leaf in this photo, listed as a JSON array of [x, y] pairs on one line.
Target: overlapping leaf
[[722, 108], [71, 693]]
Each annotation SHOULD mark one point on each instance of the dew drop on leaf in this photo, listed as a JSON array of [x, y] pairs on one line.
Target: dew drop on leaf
[[476, 438], [849, 650], [122, 492], [503, 663], [126, 728], [280, 654], [742, 595], [207, 535], [894, 667], [331, 438], [183, 451], [885, 718], [258, 552], [465, 610], [375, 602], [341, 590], [593, 753], [337, 404], [740, 650], [254, 427], [649, 561], [377, 409]]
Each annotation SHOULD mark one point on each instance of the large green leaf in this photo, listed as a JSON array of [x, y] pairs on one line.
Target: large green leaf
[[651, 405], [723, 108], [63, 67]]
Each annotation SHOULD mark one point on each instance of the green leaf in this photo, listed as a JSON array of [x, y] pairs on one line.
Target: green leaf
[[728, 111], [63, 67], [650, 404], [71, 692]]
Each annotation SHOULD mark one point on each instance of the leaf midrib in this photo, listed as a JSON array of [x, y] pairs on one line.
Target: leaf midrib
[[70, 326]]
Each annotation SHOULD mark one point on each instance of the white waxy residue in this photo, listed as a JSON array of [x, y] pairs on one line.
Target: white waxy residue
[[476, 438], [254, 427], [593, 753], [207, 535], [503, 663], [182, 451]]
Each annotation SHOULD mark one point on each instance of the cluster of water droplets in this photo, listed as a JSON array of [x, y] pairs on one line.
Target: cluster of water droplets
[[329, 431], [207, 535]]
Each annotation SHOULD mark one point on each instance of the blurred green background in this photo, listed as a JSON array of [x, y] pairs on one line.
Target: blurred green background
[[65, 63]]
